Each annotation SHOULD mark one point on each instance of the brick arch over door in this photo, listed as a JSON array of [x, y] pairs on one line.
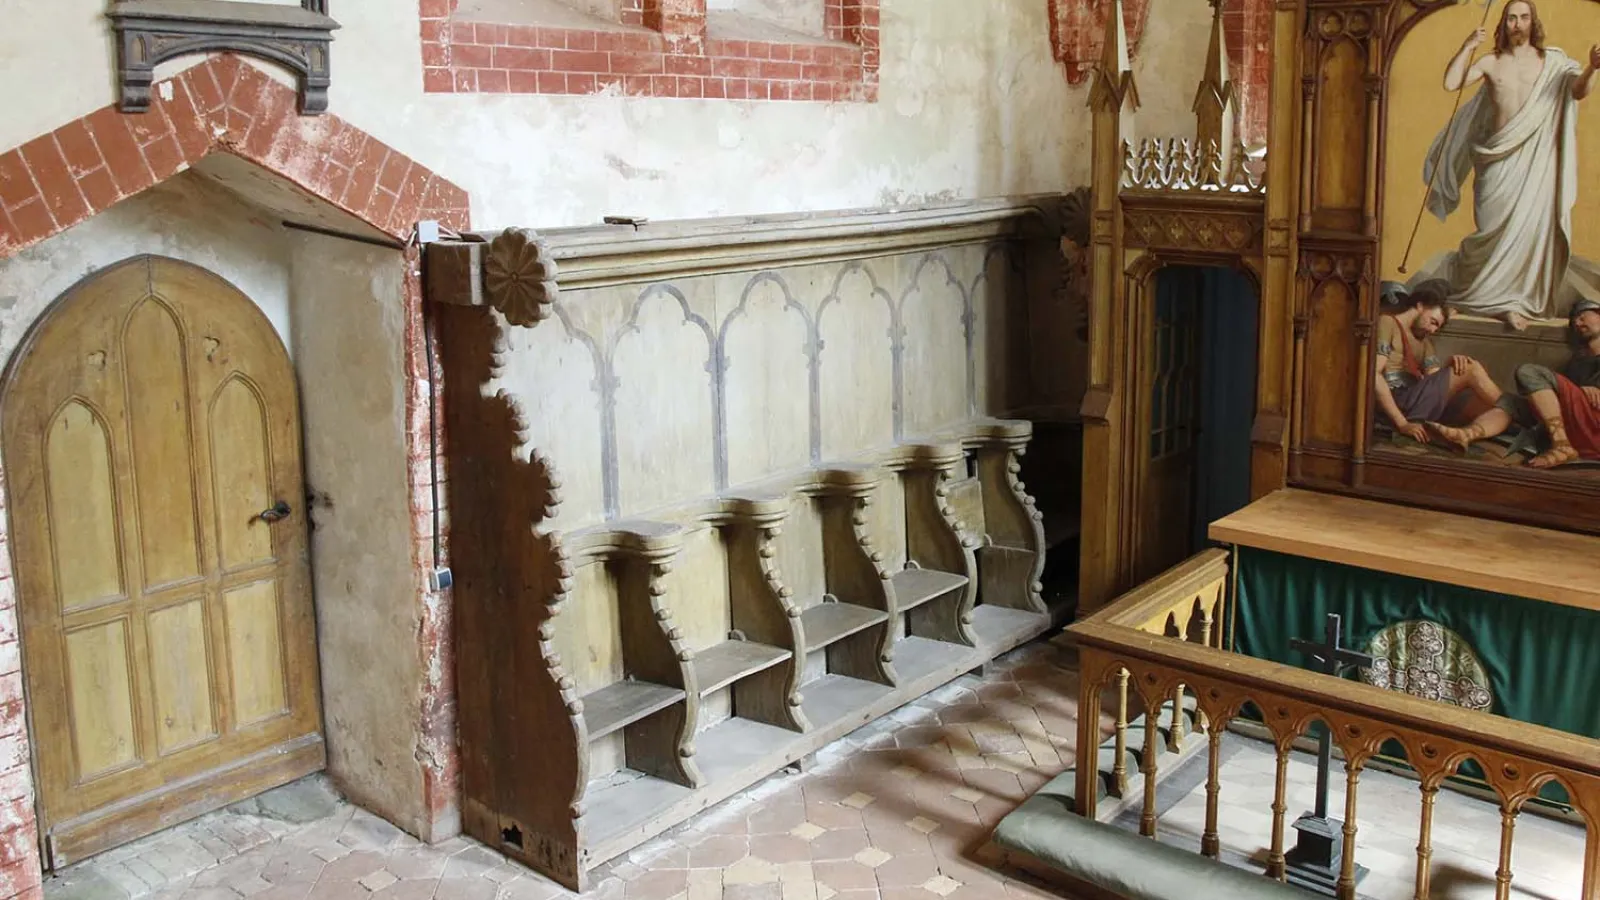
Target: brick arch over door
[[66, 176]]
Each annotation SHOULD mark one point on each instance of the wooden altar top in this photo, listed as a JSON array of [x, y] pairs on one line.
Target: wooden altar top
[[1554, 566]]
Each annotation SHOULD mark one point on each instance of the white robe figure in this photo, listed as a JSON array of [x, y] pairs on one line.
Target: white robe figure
[[1525, 184]]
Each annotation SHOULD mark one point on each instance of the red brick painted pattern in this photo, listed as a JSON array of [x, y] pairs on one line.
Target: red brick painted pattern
[[1077, 32], [20, 873], [59, 179], [1078, 29], [674, 58]]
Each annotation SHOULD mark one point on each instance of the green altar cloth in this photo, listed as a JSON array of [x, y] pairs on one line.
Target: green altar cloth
[[1542, 660]]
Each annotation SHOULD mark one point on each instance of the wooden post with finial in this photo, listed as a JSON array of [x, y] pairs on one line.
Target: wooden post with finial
[[1112, 100], [1216, 102]]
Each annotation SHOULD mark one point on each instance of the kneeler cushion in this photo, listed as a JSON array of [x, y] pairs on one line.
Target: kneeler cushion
[[1122, 863]]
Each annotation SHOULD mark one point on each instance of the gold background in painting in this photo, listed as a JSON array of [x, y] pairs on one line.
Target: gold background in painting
[[1419, 108]]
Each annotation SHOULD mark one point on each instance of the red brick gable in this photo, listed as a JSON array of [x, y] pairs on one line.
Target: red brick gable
[[223, 105]]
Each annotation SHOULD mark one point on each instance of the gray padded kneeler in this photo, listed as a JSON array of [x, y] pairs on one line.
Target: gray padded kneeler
[[1046, 828]]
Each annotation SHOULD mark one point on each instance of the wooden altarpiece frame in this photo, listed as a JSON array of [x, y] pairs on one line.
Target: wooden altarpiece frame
[[1347, 51], [1318, 267]]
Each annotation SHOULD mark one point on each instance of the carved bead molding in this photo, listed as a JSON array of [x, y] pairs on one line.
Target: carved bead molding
[[150, 32]]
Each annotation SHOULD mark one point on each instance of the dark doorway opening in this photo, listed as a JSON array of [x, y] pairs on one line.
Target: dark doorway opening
[[1202, 396]]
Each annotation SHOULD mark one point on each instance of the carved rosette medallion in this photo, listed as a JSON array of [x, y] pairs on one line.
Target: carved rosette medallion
[[519, 277]]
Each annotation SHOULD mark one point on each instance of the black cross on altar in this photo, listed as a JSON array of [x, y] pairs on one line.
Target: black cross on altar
[[1315, 860]]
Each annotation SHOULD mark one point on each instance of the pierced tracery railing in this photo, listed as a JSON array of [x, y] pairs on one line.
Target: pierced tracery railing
[[1184, 164], [1164, 638]]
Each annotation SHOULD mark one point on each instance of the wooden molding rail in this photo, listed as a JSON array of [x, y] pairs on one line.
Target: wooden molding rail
[[1132, 643], [521, 272]]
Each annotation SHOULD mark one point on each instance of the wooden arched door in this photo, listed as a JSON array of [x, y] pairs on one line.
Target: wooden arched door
[[151, 440]]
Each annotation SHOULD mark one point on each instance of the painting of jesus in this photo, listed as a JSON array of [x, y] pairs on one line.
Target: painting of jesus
[[1490, 225], [1517, 139]]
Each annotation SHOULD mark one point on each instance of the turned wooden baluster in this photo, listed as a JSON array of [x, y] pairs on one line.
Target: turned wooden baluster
[[1147, 822], [1430, 793], [1210, 845], [1276, 865], [1346, 886], [1502, 875], [1207, 618], [1119, 767], [1177, 732], [1591, 858]]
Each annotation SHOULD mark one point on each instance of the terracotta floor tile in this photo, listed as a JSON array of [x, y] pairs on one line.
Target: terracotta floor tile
[[907, 870], [899, 838], [718, 851], [832, 815], [780, 848], [659, 884], [841, 843], [846, 875]]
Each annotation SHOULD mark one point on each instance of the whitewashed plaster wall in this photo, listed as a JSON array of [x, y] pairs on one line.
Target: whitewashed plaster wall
[[186, 218], [349, 355], [972, 105], [1168, 67]]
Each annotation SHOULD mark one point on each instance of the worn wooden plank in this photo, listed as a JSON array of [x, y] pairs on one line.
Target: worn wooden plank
[[730, 661], [620, 705], [914, 587], [827, 623]]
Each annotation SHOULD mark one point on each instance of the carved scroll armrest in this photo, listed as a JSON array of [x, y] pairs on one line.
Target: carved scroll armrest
[[653, 648], [764, 609], [937, 540], [1013, 563]]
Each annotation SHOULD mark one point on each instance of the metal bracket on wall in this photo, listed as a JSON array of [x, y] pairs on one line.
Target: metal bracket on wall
[[150, 32]]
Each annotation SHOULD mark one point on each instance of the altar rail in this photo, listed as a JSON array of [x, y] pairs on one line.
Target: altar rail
[[1160, 639]]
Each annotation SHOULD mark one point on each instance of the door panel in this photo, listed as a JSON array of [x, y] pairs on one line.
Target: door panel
[[158, 422], [81, 508], [180, 676], [240, 470], [100, 679], [1171, 389], [166, 624]]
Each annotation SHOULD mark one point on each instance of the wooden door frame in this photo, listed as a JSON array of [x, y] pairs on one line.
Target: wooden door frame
[[1164, 206], [1162, 228], [314, 155], [1137, 320]]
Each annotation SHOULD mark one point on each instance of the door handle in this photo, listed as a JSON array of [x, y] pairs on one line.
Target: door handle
[[277, 513]]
